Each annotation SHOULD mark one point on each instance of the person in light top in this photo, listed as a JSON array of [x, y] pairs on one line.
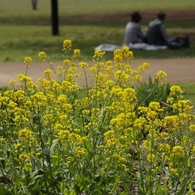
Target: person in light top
[[133, 32]]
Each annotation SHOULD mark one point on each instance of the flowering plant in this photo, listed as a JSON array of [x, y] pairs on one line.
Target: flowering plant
[[58, 137]]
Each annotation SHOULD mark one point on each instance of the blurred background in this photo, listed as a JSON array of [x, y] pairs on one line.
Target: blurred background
[[26, 29]]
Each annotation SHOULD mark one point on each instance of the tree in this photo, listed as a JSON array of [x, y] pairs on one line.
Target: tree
[[34, 4]]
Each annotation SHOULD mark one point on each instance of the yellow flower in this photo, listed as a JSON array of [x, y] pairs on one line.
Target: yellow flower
[[109, 134], [98, 55], [146, 65], [67, 107], [138, 78], [66, 84], [48, 74], [17, 146], [173, 172], [171, 122], [118, 58], [66, 62], [67, 45], [183, 106], [62, 98], [70, 159], [86, 112], [83, 65], [79, 152], [111, 142], [128, 55], [164, 147], [28, 60], [63, 117], [140, 69], [63, 134], [118, 52], [77, 52], [170, 100], [175, 90], [74, 138], [193, 149], [155, 106], [161, 75], [125, 49], [177, 151], [69, 77], [58, 127], [54, 156], [24, 157], [150, 157], [22, 77], [192, 127], [140, 123], [119, 157], [26, 135], [12, 82], [59, 69], [2, 140], [133, 72], [42, 55]]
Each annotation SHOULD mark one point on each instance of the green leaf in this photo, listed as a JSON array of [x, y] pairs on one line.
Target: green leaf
[[2, 161], [46, 152], [3, 191], [54, 142], [96, 158], [88, 146], [63, 189], [73, 192]]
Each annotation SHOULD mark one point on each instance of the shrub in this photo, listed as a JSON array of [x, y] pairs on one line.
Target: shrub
[[58, 137]]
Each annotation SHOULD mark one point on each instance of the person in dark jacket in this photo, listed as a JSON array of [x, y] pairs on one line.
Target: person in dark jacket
[[156, 33]]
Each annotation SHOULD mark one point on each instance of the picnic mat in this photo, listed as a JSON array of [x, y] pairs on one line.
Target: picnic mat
[[141, 46]]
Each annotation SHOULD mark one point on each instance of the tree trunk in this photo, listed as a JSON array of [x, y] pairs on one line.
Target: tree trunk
[[54, 17], [34, 4]]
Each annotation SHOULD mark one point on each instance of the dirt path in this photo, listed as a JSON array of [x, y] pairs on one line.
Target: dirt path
[[178, 70], [173, 14]]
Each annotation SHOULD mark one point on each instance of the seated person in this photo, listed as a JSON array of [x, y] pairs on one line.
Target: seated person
[[133, 33], [156, 33]]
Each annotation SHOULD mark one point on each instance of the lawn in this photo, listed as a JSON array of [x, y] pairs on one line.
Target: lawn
[[74, 7]]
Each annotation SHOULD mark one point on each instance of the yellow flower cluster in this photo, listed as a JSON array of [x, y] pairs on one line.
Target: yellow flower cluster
[[48, 74], [177, 151], [161, 76], [42, 55], [57, 124], [28, 60], [98, 55], [25, 136], [67, 45], [77, 53]]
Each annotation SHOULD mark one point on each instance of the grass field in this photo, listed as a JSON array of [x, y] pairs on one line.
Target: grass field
[[73, 7], [87, 23]]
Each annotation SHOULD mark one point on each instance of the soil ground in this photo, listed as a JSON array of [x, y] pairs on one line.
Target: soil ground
[[177, 14], [178, 70]]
